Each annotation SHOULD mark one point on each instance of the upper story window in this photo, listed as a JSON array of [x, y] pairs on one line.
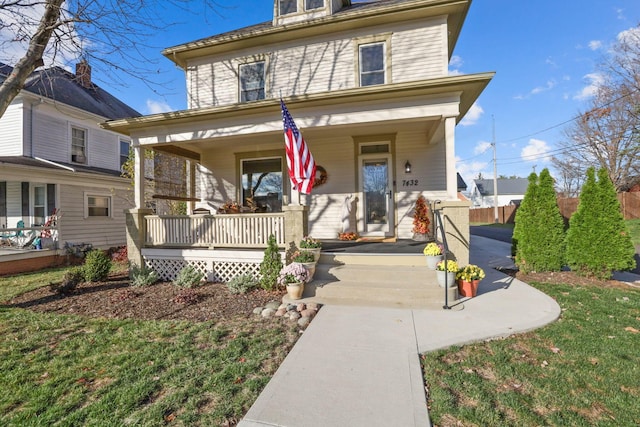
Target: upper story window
[[78, 145], [313, 4], [288, 6], [252, 81], [124, 152], [372, 59]]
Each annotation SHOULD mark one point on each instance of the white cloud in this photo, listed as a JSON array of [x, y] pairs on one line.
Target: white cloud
[[156, 107], [473, 115], [620, 13], [594, 80], [536, 151], [454, 65], [470, 170], [631, 36], [550, 85], [481, 147], [595, 44], [551, 62]]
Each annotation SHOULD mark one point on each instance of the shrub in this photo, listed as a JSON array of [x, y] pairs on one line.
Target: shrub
[[70, 280], [96, 266], [142, 276], [242, 284], [271, 265], [188, 277], [535, 250], [598, 241]]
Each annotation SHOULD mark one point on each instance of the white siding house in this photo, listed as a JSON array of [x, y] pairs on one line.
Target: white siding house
[[367, 84], [54, 156], [510, 192]]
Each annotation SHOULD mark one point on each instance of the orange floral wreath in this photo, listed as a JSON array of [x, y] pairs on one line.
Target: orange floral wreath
[[322, 178]]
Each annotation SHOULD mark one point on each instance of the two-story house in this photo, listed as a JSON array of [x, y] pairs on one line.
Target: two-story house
[[368, 85], [510, 192], [55, 156]]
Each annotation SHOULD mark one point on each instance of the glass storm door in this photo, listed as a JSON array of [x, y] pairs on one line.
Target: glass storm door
[[377, 195]]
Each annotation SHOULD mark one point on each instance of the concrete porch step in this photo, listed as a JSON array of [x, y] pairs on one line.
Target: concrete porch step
[[387, 281]]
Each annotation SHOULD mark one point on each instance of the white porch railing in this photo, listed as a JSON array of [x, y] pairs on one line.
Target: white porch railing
[[224, 230], [25, 237]]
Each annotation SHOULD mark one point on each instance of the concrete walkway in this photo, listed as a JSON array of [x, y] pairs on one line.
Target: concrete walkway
[[359, 366]]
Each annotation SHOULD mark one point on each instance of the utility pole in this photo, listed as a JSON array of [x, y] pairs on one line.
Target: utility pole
[[495, 173]]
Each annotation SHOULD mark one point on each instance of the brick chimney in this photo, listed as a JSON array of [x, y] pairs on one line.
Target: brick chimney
[[83, 73]]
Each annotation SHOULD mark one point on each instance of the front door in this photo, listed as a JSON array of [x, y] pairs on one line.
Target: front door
[[376, 188]]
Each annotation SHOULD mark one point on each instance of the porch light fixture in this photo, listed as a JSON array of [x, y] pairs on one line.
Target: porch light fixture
[[407, 167]]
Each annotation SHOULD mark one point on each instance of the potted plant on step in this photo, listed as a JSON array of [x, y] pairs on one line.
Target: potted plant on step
[[293, 276], [447, 271], [309, 244], [434, 254], [468, 279], [307, 259]]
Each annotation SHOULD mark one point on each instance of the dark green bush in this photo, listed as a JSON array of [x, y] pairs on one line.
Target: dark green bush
[[598, 241], [271, 265], [96, 266]]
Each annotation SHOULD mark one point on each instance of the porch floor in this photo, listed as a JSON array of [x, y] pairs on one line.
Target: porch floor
[[401, 246]]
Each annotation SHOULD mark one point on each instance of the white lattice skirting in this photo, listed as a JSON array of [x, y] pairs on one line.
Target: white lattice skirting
[[218, 265]]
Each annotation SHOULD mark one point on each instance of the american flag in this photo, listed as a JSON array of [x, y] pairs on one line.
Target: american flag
[[302, 167]]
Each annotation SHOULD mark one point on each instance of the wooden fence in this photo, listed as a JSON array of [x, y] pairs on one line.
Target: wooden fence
[[629, 202]]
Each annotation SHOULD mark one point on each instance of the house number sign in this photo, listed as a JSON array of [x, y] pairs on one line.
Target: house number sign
[[409, 182]]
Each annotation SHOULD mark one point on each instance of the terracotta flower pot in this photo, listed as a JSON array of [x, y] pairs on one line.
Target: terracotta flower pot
[[468, 289]]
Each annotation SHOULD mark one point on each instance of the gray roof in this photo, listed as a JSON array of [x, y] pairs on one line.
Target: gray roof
[[62, 86], [29, 161], [515, 186], [462, 186]]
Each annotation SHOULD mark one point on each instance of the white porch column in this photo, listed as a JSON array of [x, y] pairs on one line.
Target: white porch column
[[138, 173], [450, 157]]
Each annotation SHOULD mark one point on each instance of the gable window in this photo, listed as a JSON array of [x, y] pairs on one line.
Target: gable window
[[262, 183], [372, 64], [314, 4], [288, 6], [97, 205], [124, 152], [252, 81], [78, 145]]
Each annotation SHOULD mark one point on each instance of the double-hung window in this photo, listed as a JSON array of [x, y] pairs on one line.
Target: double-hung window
[[97, 205], [78, 145], [124, 152], [252, 81], [372, 59]]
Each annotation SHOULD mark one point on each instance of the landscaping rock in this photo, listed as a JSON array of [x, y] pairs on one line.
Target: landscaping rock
[[308, 313], [258, 310], [281, 312], [313, 306], [268, 312], [273, 305], [294, 315], [301, 306], [303, 322]]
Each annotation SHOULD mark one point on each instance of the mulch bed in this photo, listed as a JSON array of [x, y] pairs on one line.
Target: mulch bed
[[565, 277], [115, 299]]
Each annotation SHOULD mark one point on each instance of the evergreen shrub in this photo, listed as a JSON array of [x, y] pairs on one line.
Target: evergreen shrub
[[96, 266], [271, 265]]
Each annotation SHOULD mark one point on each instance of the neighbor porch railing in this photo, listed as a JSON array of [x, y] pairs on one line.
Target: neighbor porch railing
[[224, 230]]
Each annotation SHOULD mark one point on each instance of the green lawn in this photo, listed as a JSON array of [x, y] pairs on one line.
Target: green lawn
[[582, 370], [634, 228], [70, 371]]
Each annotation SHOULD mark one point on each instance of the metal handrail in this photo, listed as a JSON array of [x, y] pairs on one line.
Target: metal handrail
[[439, 225]]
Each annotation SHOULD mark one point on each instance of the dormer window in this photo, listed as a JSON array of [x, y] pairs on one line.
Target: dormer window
[[288, 6], [252, 81], [78, 145], [313, 4]]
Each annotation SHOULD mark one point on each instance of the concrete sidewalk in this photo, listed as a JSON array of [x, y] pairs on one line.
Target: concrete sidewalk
[[359, 366]]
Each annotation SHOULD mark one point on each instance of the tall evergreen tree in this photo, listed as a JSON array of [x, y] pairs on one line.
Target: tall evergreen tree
[[539, 233], [598, 241]]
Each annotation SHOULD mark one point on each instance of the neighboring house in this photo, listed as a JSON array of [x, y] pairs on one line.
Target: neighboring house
[[368, 85], [510, 192], [54, 155]]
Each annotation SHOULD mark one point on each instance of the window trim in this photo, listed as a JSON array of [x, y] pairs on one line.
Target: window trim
[[86, 144], [253, 61], [32, 202], [259, 155], [107, 196], [384, 39]]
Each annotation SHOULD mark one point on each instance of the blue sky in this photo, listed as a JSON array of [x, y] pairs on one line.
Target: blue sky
[[544, 53]]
